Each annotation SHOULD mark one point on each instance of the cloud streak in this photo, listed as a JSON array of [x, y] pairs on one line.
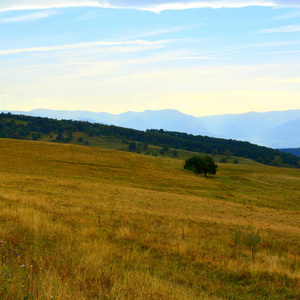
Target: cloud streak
[[29, 17], [165, 31], [151, 5], [295, 14], [137, 43], [289, 28]]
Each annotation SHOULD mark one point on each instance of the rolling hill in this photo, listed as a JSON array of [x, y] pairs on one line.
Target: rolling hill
[[278, 129], [64, 131], [91, 223]]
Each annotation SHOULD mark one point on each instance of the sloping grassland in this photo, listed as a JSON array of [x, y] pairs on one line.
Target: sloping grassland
[[89, 223]]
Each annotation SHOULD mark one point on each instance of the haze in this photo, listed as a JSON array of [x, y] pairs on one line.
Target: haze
[[199, 57]]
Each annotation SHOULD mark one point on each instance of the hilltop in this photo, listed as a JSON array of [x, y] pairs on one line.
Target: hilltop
[[275, 129], [91, 223], [69, 131]]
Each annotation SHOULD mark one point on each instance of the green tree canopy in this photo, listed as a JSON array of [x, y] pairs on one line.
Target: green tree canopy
[[132, 146], [200, 165], [195, 164], [228, 153], [166, 147], [209, 165], [277, 161], [223, 160]]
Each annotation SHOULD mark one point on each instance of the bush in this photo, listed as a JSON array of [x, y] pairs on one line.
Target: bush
[[132, 146], [277, 161], [145, 146], [228, 153], [34, 136], [223, 160], [174, 153]]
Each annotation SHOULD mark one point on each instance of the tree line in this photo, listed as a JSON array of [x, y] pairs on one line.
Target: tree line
[[27, 127]]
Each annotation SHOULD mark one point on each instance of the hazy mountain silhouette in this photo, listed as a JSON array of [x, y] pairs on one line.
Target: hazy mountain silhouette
[[278, 129]]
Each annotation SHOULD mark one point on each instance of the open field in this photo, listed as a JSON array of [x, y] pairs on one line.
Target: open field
[[110, 142], [92, 223]]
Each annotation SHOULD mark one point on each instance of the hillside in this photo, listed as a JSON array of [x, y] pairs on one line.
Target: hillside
[[92, 223], [69, 131], [275, 129]]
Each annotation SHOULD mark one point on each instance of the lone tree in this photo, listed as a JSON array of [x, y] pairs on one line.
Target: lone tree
[[200, 165], [195, 164], [209, 165]]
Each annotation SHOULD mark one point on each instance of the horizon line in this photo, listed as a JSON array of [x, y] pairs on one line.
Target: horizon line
[[153, 110]]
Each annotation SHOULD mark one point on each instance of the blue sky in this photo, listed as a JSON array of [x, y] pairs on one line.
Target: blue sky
[[200, 57]]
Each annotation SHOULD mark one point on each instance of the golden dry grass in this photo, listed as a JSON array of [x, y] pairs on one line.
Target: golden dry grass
[[90, 223]]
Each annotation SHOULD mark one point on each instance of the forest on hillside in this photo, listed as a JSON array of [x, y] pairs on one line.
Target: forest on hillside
[[27, 127]]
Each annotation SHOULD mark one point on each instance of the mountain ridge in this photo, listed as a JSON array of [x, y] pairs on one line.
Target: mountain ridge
[[275, 129]]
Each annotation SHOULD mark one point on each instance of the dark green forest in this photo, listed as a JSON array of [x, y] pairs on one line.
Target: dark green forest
[[26, 127]]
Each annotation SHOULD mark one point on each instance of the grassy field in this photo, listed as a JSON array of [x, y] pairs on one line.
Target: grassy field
[[91, 223], [111, 142]]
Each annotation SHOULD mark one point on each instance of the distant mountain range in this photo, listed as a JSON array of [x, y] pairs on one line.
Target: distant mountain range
[[276, 129], [294, 151]]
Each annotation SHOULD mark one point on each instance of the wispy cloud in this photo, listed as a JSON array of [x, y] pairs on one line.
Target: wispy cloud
[[278, 52], [150, 5], [182, 5], [4, 97], [295, 14], [29, 17], [292, 80], [165, 31], [90, 15], [275, 80], [85, 45], [289, 28], [195, 58], [287, 3]]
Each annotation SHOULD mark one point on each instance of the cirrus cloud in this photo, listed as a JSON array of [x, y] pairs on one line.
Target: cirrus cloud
[[29, 17], [289, 28], [136, 43], [151, 5]]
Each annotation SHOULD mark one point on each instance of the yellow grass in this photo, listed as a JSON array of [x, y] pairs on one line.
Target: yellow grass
[[92, 223]]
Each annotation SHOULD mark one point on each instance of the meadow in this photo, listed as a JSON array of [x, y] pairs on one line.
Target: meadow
[[92, 223]]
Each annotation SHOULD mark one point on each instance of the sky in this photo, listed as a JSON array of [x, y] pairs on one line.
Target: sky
[[201, 57]]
